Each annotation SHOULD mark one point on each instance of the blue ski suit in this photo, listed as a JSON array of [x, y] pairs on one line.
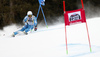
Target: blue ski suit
[[29, 24]]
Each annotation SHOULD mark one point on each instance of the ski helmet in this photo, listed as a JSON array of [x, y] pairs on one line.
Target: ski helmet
[[29, 13]]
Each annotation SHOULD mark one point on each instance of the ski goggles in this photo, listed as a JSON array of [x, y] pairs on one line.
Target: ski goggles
[[29, 15]]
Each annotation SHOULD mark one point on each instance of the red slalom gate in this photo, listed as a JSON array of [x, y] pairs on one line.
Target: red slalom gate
[[73, 17]]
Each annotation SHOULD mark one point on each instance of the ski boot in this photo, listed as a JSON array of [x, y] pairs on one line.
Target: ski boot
[[13, 35], [25, 33]]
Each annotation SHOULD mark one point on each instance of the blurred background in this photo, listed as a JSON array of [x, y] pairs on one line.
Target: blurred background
[[13, 11]]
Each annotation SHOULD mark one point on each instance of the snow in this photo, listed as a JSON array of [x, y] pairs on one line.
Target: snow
[[50, 42]]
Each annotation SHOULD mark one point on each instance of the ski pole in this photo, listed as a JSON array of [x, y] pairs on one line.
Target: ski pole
[[38, 10], [44, 17]]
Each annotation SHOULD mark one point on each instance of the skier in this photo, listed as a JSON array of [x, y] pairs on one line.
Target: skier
[[30, 22]]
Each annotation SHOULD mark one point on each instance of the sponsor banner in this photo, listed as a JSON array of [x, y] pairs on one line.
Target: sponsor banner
[[75, 16]]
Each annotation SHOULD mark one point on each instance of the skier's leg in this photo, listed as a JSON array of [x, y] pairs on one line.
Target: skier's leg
[[28, 29], [24, 27], [32, 27], [15, 33]]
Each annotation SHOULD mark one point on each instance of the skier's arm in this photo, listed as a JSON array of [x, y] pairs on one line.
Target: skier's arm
[[35, 21], [25, 20]]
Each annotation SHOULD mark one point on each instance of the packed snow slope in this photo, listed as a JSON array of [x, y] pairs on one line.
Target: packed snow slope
[[50, 42]]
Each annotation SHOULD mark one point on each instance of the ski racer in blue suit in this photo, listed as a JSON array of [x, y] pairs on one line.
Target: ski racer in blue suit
[[30, 22]]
